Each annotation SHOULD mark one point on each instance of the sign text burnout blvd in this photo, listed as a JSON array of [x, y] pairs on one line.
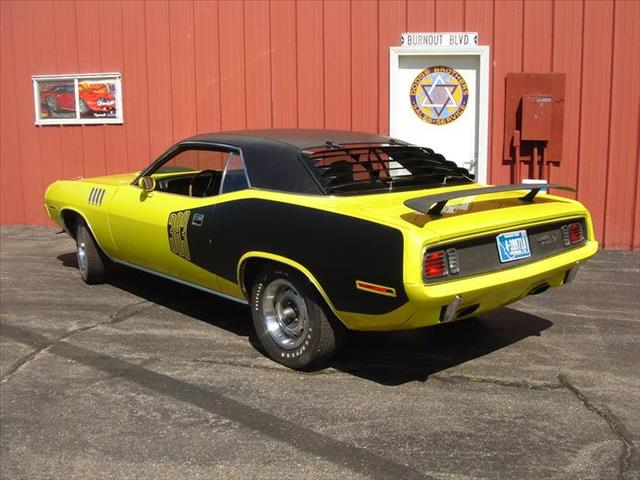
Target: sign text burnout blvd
[[439, 39]]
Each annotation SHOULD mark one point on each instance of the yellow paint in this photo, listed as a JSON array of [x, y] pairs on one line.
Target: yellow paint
[[131, 226]]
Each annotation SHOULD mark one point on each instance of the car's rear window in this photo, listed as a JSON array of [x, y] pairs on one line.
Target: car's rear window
[[381, 168]]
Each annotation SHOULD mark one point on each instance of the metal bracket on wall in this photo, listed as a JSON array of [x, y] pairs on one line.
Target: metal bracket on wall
[[534, 118]]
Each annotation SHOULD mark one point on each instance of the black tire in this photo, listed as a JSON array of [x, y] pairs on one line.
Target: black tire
[[92, 262], [320, 334]]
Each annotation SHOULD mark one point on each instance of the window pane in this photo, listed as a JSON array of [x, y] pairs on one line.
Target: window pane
[[195, 160], [234, 177], [382, 168], [97, 99], [57, 99]]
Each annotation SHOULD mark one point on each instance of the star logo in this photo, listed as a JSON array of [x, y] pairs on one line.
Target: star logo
[[439, 95]]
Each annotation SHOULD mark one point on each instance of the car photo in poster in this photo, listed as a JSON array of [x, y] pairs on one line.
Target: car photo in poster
[[83, 98], [97, 99], [57, 99]]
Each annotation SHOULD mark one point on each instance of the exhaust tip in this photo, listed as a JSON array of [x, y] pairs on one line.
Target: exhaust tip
[[538, 289], [465, 311], [448, 312], [452, 311]]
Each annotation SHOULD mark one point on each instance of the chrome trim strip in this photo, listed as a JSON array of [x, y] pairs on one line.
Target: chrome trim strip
[[224, 172], [177, 280]]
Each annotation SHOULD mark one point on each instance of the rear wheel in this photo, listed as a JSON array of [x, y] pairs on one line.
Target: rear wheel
[[92, 262], [290, 320]]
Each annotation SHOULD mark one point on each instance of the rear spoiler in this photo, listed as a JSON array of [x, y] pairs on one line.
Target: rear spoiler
[[433, 204]]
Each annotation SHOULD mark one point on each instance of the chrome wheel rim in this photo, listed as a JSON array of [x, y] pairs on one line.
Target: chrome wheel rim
[[285, 314], [82, 255]]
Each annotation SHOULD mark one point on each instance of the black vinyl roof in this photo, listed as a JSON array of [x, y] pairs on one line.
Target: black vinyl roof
[[272, 157], [299, 139]]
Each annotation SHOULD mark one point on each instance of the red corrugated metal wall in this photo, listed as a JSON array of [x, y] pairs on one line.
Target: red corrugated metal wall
[[191, 67]]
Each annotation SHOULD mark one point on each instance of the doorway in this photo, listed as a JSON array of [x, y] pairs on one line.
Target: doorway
[[439, 99]]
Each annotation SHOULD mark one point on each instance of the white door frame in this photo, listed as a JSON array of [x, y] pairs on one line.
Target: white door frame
[[483, 93]]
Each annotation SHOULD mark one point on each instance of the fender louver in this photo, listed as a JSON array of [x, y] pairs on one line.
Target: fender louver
[[96, 196]]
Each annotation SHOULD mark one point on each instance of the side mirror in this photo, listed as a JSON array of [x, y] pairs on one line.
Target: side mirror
[[148, 184]]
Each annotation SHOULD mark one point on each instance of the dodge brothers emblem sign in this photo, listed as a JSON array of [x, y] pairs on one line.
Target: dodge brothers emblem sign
[[439, 95]]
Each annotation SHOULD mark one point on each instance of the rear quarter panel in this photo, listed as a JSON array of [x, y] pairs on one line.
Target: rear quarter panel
[[336, 249]]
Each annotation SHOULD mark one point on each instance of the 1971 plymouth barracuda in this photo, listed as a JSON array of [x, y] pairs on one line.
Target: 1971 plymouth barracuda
[[324, 231]]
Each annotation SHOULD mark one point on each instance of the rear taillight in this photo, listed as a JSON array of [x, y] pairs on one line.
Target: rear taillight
[[572, 234], [440, 263], [435, 264]]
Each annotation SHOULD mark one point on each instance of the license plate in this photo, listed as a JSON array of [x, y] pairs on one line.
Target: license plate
[[513, 246]]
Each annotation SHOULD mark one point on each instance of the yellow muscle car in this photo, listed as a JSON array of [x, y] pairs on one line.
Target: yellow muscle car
[[324, 231]]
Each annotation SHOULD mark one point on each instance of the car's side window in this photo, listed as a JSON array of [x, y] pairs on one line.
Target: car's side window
[[196, 172], [235, 176], [197, 160]]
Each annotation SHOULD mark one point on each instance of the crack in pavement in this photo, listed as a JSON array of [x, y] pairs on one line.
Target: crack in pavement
[[246, 364], [497, 381], [119, 315], [213, 400], [627, 457], [617, 428]]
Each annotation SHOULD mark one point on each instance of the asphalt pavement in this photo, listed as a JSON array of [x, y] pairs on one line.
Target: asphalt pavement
[[142, 378]]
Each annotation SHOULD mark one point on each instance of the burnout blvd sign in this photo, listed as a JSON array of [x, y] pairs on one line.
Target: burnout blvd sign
[[439, 39]]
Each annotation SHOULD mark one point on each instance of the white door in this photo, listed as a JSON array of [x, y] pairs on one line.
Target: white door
[[439, 100]]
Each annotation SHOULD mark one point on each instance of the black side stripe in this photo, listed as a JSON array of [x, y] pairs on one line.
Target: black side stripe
[[337, 249]]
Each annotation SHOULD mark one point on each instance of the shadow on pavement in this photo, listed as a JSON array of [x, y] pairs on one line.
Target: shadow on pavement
[[387, 358], [394, 358], [189, 301]]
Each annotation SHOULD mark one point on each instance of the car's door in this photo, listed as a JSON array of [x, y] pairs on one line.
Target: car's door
[[166, 229]]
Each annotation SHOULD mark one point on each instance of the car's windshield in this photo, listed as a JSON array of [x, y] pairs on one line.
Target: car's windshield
[[381, 168]]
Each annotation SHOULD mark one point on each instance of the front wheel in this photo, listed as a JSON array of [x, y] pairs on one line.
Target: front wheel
[[92, 262], [290, 321]]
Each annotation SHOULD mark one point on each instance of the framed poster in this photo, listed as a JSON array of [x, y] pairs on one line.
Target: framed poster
[[77, 99]]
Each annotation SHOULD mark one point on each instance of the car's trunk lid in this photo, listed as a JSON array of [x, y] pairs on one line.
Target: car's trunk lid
[[463, 216]]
